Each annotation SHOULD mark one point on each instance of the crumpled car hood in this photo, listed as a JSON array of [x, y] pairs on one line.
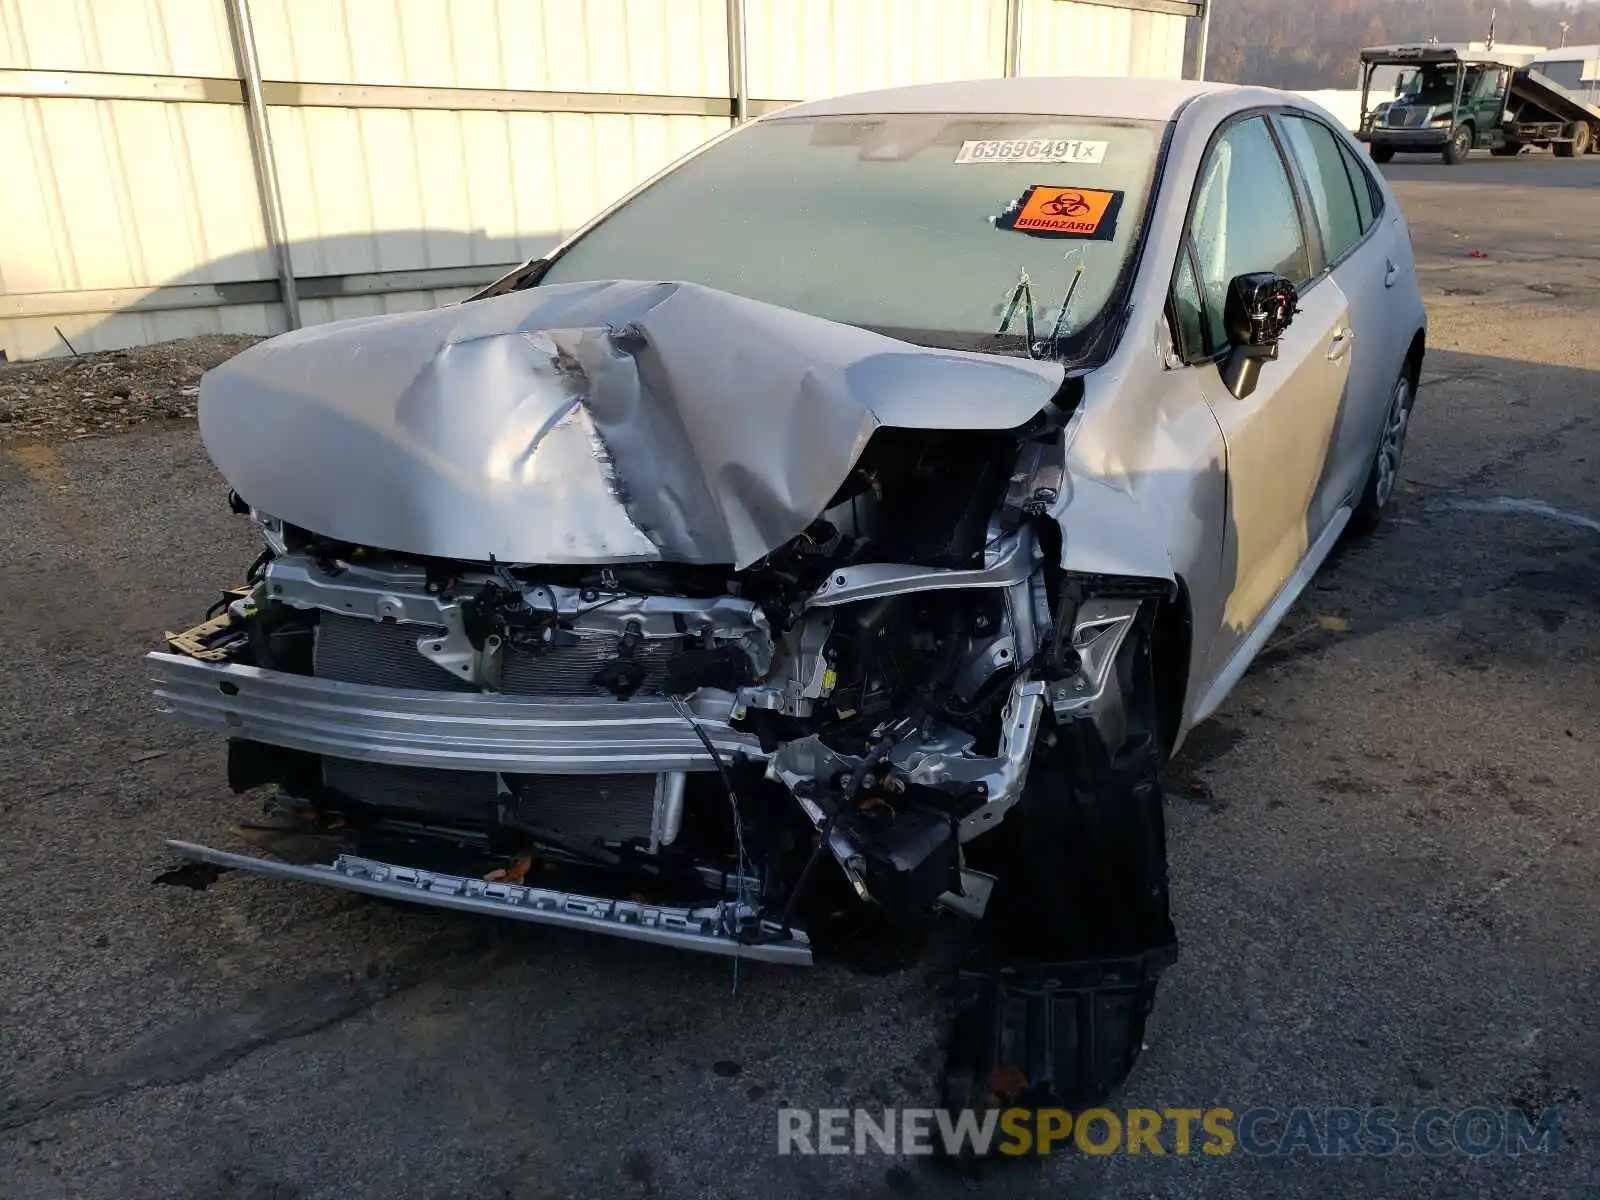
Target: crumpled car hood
[[584, 423]]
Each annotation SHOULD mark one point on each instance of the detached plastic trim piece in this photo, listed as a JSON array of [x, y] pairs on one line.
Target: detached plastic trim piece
[[1067, 1034], [702, 929]]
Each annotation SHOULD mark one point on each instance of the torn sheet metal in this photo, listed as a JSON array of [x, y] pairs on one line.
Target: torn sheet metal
[[583, 423]]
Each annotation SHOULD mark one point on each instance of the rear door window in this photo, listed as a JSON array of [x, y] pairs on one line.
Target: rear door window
[[1369, 200], [1316, 151]]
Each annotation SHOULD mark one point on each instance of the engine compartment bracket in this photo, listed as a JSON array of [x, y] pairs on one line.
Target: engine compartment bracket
[[1097, 635]]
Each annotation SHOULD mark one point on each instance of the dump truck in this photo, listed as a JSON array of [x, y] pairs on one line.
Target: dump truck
[[1451, 101]]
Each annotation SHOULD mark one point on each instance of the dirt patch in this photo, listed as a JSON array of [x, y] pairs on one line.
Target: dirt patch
[[58, 399]]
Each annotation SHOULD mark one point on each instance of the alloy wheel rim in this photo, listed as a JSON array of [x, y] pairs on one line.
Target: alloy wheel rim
[[1393, 444]]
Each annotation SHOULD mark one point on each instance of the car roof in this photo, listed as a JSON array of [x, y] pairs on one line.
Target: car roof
[[1076, 96]]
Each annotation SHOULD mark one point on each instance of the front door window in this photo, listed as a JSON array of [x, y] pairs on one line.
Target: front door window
[[1245, 219]]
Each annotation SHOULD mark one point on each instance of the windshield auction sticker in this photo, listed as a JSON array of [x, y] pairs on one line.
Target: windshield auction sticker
[[1032, 150], [1064, 212]]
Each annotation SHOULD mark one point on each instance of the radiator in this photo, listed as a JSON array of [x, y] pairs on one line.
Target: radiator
[[606, 808], [379, 654], [612, 808], [384, 654], [465, 795]]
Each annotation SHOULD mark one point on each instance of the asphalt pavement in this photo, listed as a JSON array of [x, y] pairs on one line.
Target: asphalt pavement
[[1385, 855]]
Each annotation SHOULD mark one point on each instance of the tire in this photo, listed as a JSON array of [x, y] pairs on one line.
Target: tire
[[1382, 154], [1582, 142], [1565, 149], [1459, 147], [1383, 474]]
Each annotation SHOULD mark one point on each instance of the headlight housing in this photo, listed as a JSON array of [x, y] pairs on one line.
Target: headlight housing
[[1439, 122]]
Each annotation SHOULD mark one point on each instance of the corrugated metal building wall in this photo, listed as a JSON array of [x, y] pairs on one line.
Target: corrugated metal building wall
[[421, 146]]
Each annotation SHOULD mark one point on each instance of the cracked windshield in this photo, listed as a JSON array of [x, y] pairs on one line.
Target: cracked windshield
[[943, 230]]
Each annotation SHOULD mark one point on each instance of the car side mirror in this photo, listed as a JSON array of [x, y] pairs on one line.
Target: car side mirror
[[1259, 309]]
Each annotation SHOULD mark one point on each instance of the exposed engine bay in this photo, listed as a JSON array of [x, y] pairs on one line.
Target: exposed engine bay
[[897, 704], [907, 703]]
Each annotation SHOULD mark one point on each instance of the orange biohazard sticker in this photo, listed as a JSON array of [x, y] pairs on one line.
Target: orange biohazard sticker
[[1064, 212]]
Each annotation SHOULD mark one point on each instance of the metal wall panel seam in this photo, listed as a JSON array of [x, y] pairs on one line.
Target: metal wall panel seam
[[1013, 37], [200, 238], [471, 221], [738, 64], [89, 33], [511, 158], [127, 216], [45, 169], [498, 33], [12, 41], [160, 37], [366, 193], [416, 176]]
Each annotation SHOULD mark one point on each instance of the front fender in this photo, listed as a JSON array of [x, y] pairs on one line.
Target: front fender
[[1106, 530]]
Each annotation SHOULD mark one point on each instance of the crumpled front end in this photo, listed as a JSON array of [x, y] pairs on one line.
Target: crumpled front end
[[705, 735], [690, 624]]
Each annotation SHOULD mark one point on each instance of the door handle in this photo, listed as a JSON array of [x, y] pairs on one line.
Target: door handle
[[1340, 346], [1391, 275]]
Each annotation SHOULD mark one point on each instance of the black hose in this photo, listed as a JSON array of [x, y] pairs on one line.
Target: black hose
[[727, 785], [825, 830]]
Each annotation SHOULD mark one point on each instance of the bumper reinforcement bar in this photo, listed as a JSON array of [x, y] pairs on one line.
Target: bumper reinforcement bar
[[452, 730], [703, 929]]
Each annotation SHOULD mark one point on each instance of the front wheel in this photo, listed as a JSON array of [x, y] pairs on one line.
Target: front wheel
[[1459, 146], [1382, 154], [1384, 473]]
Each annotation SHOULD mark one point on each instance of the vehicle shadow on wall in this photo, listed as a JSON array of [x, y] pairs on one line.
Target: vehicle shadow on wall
[[339, 276]]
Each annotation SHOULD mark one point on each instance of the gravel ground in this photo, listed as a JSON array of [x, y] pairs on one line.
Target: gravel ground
[[1384, 853], [89, 395]]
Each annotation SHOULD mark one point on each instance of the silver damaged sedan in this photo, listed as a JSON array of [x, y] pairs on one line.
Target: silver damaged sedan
[[854, 519]]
